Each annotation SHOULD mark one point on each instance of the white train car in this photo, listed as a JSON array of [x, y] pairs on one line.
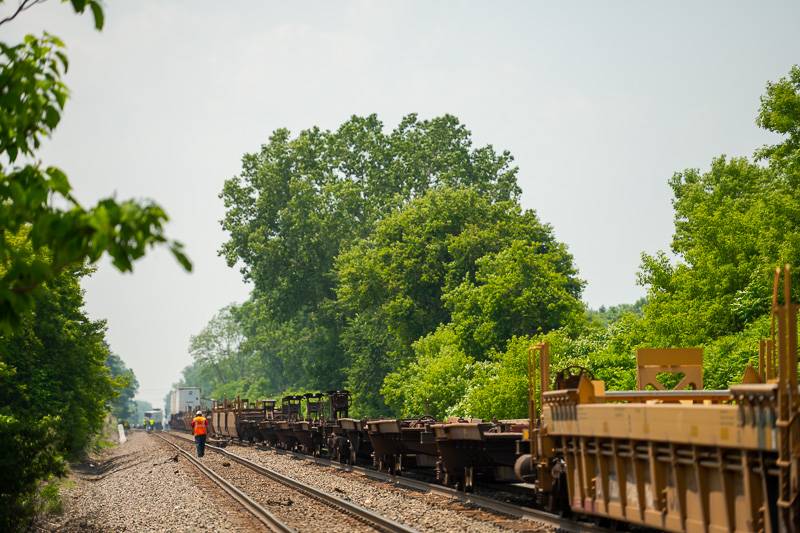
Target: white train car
[[183, 399]]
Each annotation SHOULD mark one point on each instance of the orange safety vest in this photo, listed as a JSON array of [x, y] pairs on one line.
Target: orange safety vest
[[200, 425]]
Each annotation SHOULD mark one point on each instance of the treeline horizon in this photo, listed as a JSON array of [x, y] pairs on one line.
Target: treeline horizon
[[401, 266]]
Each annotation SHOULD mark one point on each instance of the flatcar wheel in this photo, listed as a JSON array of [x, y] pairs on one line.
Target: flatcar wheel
[[469, 473]]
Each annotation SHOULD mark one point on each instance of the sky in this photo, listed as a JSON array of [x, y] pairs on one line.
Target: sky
[[600, 103]]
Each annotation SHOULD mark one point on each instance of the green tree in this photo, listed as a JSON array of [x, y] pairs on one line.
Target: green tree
[[54, 392], [123, 406], [733, 225], [447, 250], [298, 202], [434, 381], [36, 201], [605, 316], [218, 346], [527, 287], [55, 386], [780, 113], [301, 201]]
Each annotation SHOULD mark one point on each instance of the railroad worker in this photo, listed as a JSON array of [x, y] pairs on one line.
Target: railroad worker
[[200, 431]]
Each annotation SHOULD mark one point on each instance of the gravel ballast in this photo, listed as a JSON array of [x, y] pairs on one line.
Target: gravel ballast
[[296, 510], [425, 512], [145, 485], [142, 485]]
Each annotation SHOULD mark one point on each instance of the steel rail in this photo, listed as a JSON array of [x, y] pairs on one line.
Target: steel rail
[[255, 509], [484, 502], [370, 517]]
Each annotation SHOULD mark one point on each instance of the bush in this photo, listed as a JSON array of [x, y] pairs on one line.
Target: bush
[[434, 381], [54, 394]]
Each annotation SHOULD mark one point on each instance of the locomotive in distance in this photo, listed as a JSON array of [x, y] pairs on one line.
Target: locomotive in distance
[[682, 460]]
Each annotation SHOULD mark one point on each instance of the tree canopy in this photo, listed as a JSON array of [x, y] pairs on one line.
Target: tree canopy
[[401, 265], [56, 387], [359, 242], [452, 254], [36, 200], [58, 377]]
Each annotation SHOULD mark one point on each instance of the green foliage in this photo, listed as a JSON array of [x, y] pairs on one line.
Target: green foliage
[[780, 113], [434, 381], [217, 345], [36, 201], [301, 201], [527, 287], [298, 202], [604, 316], [497, 269], [367, 343], [499, 386], [33, 95], [123, 407], [725, 358], [55, 366], [402, 265], [733, 225], [54, 389]]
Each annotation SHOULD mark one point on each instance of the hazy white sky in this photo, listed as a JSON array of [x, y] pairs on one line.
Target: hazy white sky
[[600, 102]]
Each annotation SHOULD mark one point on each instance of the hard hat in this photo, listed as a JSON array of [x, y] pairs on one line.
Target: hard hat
[[199, 413]]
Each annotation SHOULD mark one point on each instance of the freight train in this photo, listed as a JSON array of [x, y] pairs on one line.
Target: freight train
[[682, 460]]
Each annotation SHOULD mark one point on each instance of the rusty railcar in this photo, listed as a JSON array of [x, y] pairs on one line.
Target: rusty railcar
[[397, 442], [230, 418], [681, 460], [250, 419], [265, 428], [183, 421], [290, 412], [307, 428], [345, 438], [470, 448], [180, 421]]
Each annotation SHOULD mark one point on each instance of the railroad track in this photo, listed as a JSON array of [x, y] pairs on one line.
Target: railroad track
[[483, 502], [363, 514], [270, 521]]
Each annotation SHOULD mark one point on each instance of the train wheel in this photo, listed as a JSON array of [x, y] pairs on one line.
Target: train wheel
[[469, 478]]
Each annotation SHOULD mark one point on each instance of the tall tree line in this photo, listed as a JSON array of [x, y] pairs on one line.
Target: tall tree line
[[401, 266], [359, 241], [58, 377]]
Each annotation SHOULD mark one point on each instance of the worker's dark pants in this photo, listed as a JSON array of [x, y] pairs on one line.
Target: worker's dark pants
[[200, 442]]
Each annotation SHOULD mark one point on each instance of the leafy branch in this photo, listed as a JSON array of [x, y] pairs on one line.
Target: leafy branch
[[45, 230]]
